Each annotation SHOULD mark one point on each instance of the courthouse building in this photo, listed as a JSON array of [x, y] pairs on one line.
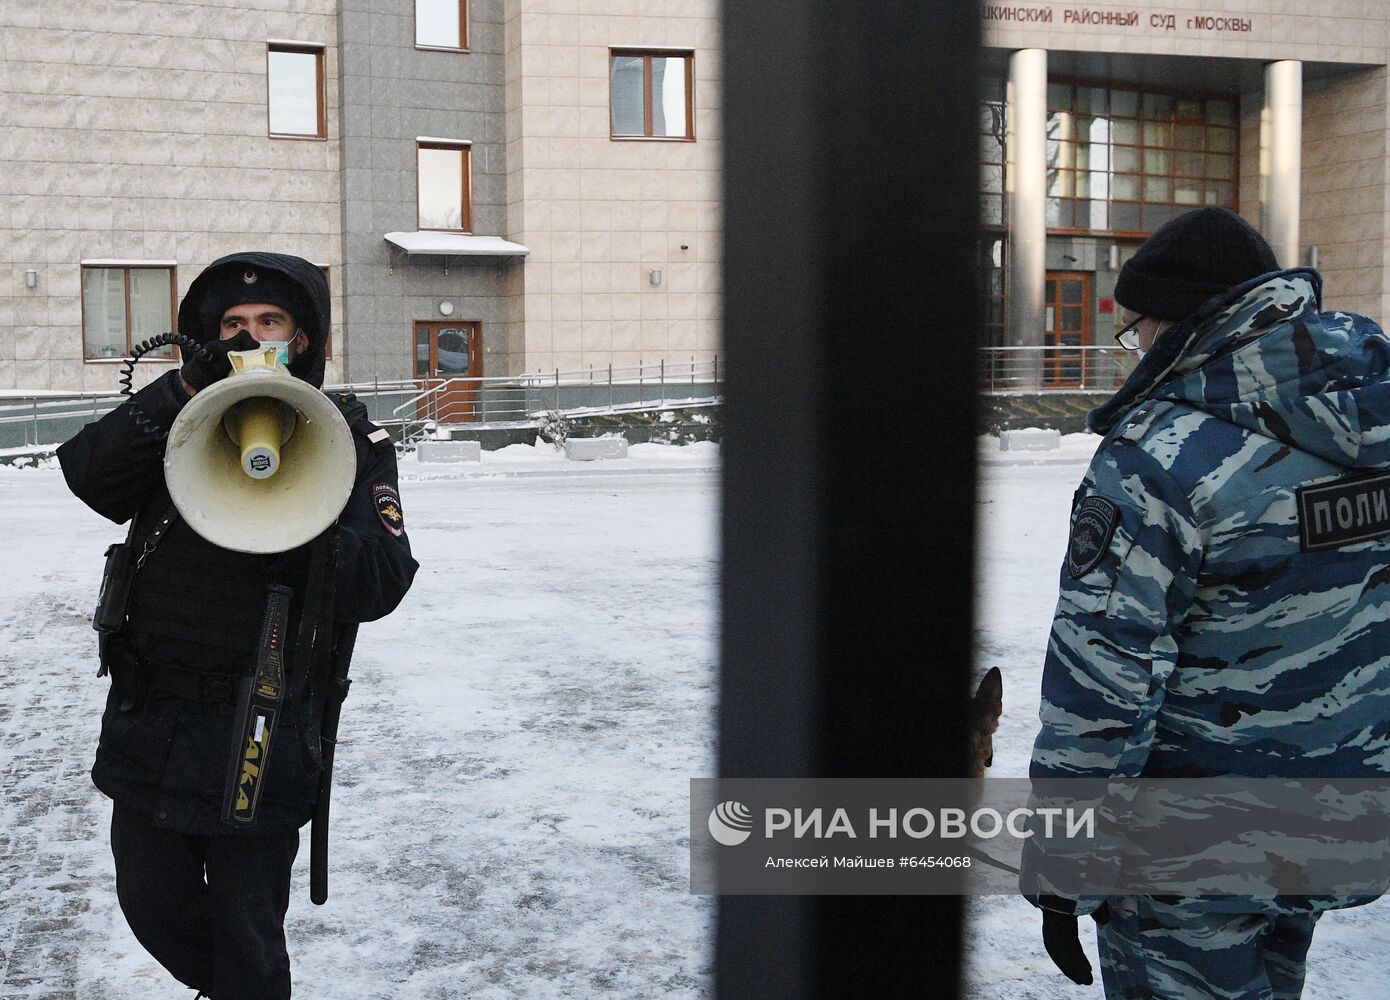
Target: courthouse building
[[1101, 122], [492, 186], [501, 186]]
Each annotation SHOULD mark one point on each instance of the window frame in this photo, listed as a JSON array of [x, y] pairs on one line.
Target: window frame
[[125, 270], [320, 90], [466, 211], [475, 346], [997, 108], [1141, 119], [463, 30], [647, 55]]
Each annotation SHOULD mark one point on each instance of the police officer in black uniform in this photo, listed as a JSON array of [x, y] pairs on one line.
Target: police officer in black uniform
[[204, 897]]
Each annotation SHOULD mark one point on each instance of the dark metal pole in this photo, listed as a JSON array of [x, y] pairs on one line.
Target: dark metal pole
[[850, 214]]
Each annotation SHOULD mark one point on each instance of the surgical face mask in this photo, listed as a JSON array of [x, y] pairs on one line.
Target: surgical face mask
[[1163, 328], [282, 350]]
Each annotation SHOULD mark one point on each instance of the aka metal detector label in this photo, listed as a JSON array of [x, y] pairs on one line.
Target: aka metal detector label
[[251, 766], [258, 706]]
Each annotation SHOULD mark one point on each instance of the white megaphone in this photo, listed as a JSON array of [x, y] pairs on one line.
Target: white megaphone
[[260, 461]]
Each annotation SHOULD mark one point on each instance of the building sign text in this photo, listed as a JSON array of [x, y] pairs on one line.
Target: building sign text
[[1105, 18]]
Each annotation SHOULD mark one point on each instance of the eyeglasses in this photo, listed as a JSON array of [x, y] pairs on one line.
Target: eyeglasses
[[1128, 335]]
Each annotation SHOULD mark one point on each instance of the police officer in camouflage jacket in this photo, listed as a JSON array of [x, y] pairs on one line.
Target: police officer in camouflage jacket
[[205, 897], [1208, 623]]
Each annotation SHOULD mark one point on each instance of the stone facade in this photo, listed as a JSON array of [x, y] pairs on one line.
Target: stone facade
[[600, 214], [393, 93], [141, 135], [1345, 135]]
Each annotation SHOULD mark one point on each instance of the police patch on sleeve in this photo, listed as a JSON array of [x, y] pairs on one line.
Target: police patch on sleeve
[[388, 508], [1091, 532]]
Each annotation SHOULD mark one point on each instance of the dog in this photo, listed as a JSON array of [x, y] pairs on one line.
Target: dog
[[985, 709]]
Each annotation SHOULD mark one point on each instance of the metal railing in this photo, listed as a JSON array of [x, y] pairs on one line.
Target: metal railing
[[1055, 369], [43, 419], [522, 399]]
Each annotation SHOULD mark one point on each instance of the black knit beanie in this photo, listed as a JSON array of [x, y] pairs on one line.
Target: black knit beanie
[[1186, 262]]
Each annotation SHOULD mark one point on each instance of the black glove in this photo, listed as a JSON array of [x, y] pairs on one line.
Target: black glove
[[1062, 940], [200, 374]]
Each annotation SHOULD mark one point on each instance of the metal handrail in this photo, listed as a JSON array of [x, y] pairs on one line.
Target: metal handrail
[[569, 378], [517, 400], [505, 399], [1054, 369], [38, 412]]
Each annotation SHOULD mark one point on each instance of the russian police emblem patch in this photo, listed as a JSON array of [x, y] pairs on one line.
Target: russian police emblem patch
[[388, 508], [1091, 531]]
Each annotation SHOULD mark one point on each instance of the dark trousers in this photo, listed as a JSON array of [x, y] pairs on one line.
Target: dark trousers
[[211, 910]]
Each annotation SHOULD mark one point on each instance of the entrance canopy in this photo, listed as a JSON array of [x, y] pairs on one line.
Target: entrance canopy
[[455, 245]]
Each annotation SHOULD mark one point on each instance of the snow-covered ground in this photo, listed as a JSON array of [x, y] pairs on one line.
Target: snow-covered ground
[[510, 817], [511, 808]]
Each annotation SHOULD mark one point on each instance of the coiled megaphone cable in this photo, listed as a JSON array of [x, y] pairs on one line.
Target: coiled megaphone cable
[[142, 419]]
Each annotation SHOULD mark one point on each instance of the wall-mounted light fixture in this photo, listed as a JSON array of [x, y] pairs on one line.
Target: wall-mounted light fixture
[[31, 279], [654, 276], [446, 308]]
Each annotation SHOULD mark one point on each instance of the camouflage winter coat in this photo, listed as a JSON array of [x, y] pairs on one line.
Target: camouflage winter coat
[[1211, 621]]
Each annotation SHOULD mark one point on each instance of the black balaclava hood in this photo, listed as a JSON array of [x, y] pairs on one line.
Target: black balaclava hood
[[292, 283]]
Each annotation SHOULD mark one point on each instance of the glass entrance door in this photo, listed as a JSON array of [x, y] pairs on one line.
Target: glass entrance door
[[448, 356], [1068, 297]]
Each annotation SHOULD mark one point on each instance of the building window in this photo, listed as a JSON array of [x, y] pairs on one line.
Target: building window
[[1127, 161], [441, 24], [294, 92], [993, 127], [121, 306], [992, 159], [651, 94], [445, 182]]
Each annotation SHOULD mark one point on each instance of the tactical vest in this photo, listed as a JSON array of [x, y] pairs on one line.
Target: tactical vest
[[197, 606]]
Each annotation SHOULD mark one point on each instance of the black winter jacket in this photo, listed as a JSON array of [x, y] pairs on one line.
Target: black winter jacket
[[169, 755]]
